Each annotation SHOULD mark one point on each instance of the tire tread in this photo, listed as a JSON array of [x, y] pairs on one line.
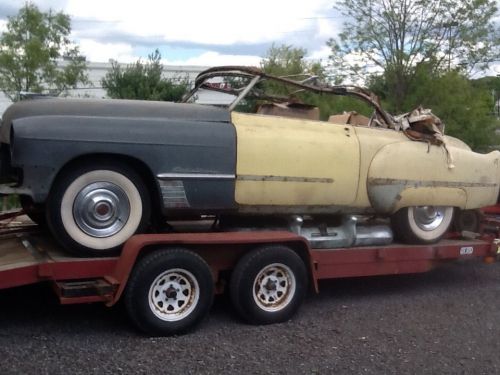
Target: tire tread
[[244, 269], [152, 325]]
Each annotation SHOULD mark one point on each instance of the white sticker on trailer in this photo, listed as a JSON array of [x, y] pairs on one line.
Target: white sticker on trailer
[[466, 250]]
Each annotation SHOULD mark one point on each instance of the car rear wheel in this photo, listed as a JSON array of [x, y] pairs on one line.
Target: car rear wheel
[[422, 224], [93, 210]]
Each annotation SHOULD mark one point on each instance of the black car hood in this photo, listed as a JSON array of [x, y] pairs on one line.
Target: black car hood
[[109, 108]]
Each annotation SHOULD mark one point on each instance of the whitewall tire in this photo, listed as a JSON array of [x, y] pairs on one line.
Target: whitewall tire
[[422, 224], [93, 211]]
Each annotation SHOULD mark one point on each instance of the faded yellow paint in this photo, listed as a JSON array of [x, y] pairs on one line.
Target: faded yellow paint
[[294, 162], [435, 196], [282, 147], [371, 141], [476, 174]]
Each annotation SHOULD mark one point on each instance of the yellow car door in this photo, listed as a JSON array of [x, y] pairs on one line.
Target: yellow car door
[[294, 162]]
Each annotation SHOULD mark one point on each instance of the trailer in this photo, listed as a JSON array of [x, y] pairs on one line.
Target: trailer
[[168, 281]]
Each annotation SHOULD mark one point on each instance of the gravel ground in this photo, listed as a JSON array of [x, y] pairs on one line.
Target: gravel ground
[[445, 321]]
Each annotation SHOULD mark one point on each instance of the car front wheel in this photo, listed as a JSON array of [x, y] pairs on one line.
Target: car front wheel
[[422, 224], [93, 210]]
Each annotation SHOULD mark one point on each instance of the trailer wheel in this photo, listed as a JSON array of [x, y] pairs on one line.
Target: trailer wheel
[[93, 209], [169, 292], [268, 285], [422, 224], [468, 220]]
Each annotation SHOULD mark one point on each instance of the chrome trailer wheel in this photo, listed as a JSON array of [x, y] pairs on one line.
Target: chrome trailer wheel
[[268, 284], [169, 292], [174, 294], [274, 287]]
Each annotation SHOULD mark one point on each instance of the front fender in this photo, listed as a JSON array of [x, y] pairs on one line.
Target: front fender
[[42, 145]]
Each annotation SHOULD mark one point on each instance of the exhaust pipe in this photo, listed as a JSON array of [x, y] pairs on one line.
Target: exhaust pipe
[[349, 234]]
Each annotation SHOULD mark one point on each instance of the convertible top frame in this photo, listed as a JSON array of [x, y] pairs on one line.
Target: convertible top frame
[[418, 125], [256, 75]]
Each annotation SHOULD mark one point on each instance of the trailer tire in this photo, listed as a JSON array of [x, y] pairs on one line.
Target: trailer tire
[[468, 220], [268, 284], [169, 292]]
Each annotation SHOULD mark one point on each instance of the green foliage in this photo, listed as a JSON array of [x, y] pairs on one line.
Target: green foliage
[[142, 81], [10, 202], [32, 49], [464, 107], [289, 61], [396, 36], [332, 105], [488, 83], [284, 60]]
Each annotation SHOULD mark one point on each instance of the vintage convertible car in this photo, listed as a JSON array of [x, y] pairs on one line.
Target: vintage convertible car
[[98, 171]]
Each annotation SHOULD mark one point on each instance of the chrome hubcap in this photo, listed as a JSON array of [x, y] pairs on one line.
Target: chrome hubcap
[[274, 287], [101, 209], [429, 218], [174, 295]]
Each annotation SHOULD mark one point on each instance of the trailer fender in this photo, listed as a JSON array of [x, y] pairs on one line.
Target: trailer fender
[[209, 242]]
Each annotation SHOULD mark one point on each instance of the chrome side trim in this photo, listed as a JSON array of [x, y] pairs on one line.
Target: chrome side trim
[[284, 179], [198, 176], [415, 183], [174, 194]]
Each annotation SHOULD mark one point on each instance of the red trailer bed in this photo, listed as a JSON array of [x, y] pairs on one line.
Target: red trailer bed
[[30, 256]]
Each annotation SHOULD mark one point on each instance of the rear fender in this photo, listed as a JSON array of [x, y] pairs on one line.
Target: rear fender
[[416, 174]]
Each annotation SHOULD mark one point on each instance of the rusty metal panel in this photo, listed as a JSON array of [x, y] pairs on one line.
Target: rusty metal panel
[[29, 259], [332, 271], [396, 258]]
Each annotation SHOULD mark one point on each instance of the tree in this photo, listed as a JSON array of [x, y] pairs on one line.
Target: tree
[[36, 54], [464, 106], [143, 81], [393, 37], [286, 60]]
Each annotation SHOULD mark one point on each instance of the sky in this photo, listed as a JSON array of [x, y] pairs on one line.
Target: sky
[[188, 32]]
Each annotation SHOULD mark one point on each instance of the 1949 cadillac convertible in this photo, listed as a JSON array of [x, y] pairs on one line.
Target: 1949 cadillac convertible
[[98, 171]]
